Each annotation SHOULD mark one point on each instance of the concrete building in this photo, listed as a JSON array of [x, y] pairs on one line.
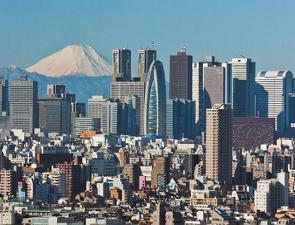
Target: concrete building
[[85, 123], [132, 173], [160, 172], [155, 100], [23, 104], [95, 106], [181, 75], [272, 97], [243, 75], [8, 182], [73, 178], [111, 117], [145, 58], [121, 62], [219, 144]]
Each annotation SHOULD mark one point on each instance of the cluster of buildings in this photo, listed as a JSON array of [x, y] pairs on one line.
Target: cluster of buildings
[[217, 150]]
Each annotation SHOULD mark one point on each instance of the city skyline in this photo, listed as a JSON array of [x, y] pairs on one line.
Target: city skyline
[[210, 28]]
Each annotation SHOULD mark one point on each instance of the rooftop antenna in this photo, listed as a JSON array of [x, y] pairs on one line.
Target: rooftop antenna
[[183, 48], [153, 45]]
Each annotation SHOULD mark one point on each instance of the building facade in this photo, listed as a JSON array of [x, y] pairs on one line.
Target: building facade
[[145, 58], [121, 64], [219, 144], [272, 97], [243, 74], [155, 100], [23, 104], [180, 118], [181, 75]]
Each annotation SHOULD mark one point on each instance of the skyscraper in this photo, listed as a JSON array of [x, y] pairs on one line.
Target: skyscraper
[[111, 117], [181, 75], [243, 74], [211, 84], [219, 144], [121, 64], [55, 115], [130, 115], [120, 90], [272, 97], [180, 118], [23, 104], [4, 105], [95, 106], [155, 100], [217, 84], [145, 59]]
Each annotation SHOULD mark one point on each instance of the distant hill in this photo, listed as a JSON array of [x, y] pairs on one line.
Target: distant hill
[[82, 86]]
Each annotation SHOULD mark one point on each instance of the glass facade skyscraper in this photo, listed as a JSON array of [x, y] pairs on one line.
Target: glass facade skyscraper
[[155, 100]]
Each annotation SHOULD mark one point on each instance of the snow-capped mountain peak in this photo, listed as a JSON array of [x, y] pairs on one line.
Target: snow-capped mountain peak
[[73, 60]]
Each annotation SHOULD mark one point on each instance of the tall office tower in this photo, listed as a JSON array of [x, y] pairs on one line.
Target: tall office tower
[[272, 97], [56, 90], [23, 104], [155, 100], [180, 118], [198, 88], [243, 75], [181, 75], [219, 144], [121, 64], [95, 106], [145, 59], [8, 182], [72, 173], [217, 84], [111, 117], [4, 104], [121, 90], [160, 172], [130, 115], [55, 114]]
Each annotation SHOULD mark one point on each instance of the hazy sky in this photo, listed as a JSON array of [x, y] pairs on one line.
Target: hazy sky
[[261, 29]]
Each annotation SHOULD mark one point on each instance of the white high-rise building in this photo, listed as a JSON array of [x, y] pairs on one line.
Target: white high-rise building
[[95, 106], [262, 196], [272, 91]]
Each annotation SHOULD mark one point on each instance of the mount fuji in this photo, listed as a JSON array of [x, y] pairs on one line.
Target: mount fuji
[[84, 72], [79, 60]]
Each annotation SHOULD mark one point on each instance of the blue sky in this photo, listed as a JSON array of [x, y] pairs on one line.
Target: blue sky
[[261, 29]]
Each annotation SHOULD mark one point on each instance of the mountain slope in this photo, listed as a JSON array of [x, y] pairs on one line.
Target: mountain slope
[[72, 60], [82, 86]]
